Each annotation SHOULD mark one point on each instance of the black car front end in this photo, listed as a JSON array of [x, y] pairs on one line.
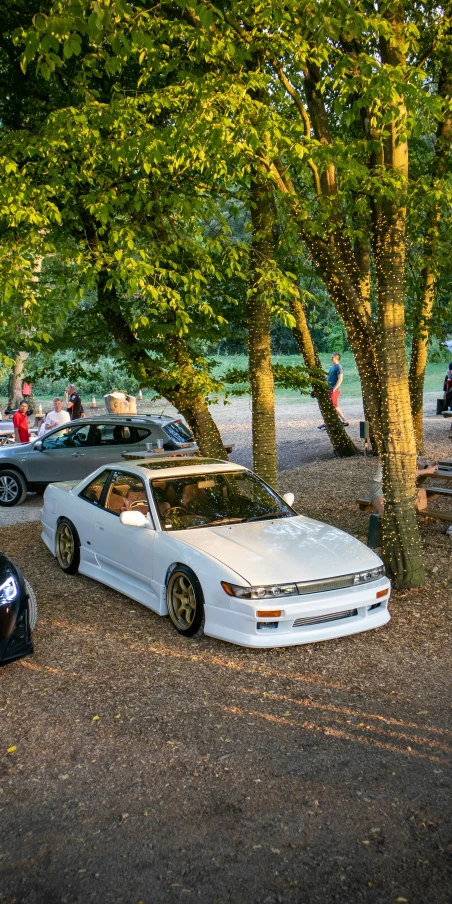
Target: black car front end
[[15, 630]]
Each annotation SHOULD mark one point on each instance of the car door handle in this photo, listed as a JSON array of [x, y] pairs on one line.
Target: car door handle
[[78, 455], [99, 526]]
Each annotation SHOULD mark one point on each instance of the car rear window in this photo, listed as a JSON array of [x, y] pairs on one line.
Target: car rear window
[[178, 432]]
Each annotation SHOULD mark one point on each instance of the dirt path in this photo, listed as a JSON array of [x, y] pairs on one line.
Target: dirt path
[[150, 769]]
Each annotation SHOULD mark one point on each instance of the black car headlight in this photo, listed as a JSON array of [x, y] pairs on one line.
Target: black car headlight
[[8, 590], [363, 577], [271, 591]]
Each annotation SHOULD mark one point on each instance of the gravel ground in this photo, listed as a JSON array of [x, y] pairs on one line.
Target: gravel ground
[[147, 768]]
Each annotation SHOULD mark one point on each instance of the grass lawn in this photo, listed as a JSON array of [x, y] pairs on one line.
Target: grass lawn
[[351, 385]]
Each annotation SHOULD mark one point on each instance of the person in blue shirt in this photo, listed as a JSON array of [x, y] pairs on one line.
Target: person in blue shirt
[[334, 380]]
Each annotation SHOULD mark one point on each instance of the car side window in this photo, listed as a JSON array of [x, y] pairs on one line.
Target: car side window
[[126, 493], [110, 435], [140, 433], [61, 439], [93, 491], [79, 435], [67, 438]]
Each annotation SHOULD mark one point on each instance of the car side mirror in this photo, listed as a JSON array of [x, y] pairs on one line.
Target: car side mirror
[[38, 445], [133, 519], [289, 498]]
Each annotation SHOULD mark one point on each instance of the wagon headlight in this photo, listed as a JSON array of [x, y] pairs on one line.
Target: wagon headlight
[[363, 577], [259, 593], [8, 590]]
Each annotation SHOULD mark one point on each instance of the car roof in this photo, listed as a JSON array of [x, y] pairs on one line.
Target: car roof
[[172, 467], [140, 419]]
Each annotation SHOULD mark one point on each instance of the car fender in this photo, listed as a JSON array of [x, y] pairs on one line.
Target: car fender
[[13, 466], [169, 552]]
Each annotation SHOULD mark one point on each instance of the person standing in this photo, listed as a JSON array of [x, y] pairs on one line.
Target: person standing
[[20, 421], [334, 380], [447, 388], [55, 418], [74, 402]]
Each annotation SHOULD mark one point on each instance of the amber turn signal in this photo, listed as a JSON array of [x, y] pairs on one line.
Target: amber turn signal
[[382, 593], [274, 613]]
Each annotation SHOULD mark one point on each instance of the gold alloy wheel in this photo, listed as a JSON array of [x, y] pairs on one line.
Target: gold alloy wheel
[[65, 545], [181, 601]]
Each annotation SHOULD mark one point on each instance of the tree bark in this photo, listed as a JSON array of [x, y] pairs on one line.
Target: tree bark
[[340, 440], [424, 308], [259, 320], [401, 541], [419, 352], [15, 381]]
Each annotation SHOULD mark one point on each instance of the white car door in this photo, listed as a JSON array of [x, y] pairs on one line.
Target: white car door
[[125, 553]]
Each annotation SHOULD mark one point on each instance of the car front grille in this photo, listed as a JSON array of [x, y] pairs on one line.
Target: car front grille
[[345, 580], [321, 619]]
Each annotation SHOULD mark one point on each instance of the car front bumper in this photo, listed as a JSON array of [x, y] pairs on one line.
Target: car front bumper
[[304, 619], [15, 637]]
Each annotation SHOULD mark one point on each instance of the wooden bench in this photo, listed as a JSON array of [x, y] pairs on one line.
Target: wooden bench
[[365, 505], [438, 491], [432, 513]]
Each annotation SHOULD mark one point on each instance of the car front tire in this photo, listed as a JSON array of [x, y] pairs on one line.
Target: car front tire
[[32, 606], [67, 546], [185, 601], [13, 488]]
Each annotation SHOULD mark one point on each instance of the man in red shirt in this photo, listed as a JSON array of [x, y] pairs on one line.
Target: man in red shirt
[[20, 421]]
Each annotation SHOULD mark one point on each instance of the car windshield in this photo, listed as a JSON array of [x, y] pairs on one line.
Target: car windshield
[[205, 500]]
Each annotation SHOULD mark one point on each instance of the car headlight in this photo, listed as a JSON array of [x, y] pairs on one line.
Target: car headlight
[[363, 577], [8, 590], [259, 593]]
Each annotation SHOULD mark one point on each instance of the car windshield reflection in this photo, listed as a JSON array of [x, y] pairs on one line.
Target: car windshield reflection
[[231, 497]]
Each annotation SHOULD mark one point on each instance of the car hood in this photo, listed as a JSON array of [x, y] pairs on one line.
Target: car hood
[[282, 551]]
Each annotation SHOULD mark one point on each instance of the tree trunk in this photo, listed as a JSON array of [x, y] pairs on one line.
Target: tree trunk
[[352, 308], [196, 412], [419, 354], [259, 349], [340, 440], [423, 311], [401, 541], [15, 381]]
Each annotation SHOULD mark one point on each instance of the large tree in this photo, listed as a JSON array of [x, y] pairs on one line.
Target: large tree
[[324, 98]]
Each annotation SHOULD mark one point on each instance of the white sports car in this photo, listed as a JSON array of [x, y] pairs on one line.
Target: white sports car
[[211, 545]]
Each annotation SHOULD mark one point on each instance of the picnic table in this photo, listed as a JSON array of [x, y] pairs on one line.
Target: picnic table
[[156, 454], [7, 432], [444, 473], [447, 414]]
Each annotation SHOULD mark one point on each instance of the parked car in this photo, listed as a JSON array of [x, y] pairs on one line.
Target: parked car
[[211, 545], [77, 449], [18, 612]]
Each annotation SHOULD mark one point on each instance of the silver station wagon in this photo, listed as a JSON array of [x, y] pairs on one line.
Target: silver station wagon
[[73, 451]]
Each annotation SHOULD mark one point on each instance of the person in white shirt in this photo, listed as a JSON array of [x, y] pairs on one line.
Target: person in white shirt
[[55, 418]]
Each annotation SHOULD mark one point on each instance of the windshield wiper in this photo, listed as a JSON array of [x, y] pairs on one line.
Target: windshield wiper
[[269, 515], [215, 523]]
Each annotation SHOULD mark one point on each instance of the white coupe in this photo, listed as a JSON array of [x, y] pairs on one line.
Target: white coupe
[[211, 545]]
